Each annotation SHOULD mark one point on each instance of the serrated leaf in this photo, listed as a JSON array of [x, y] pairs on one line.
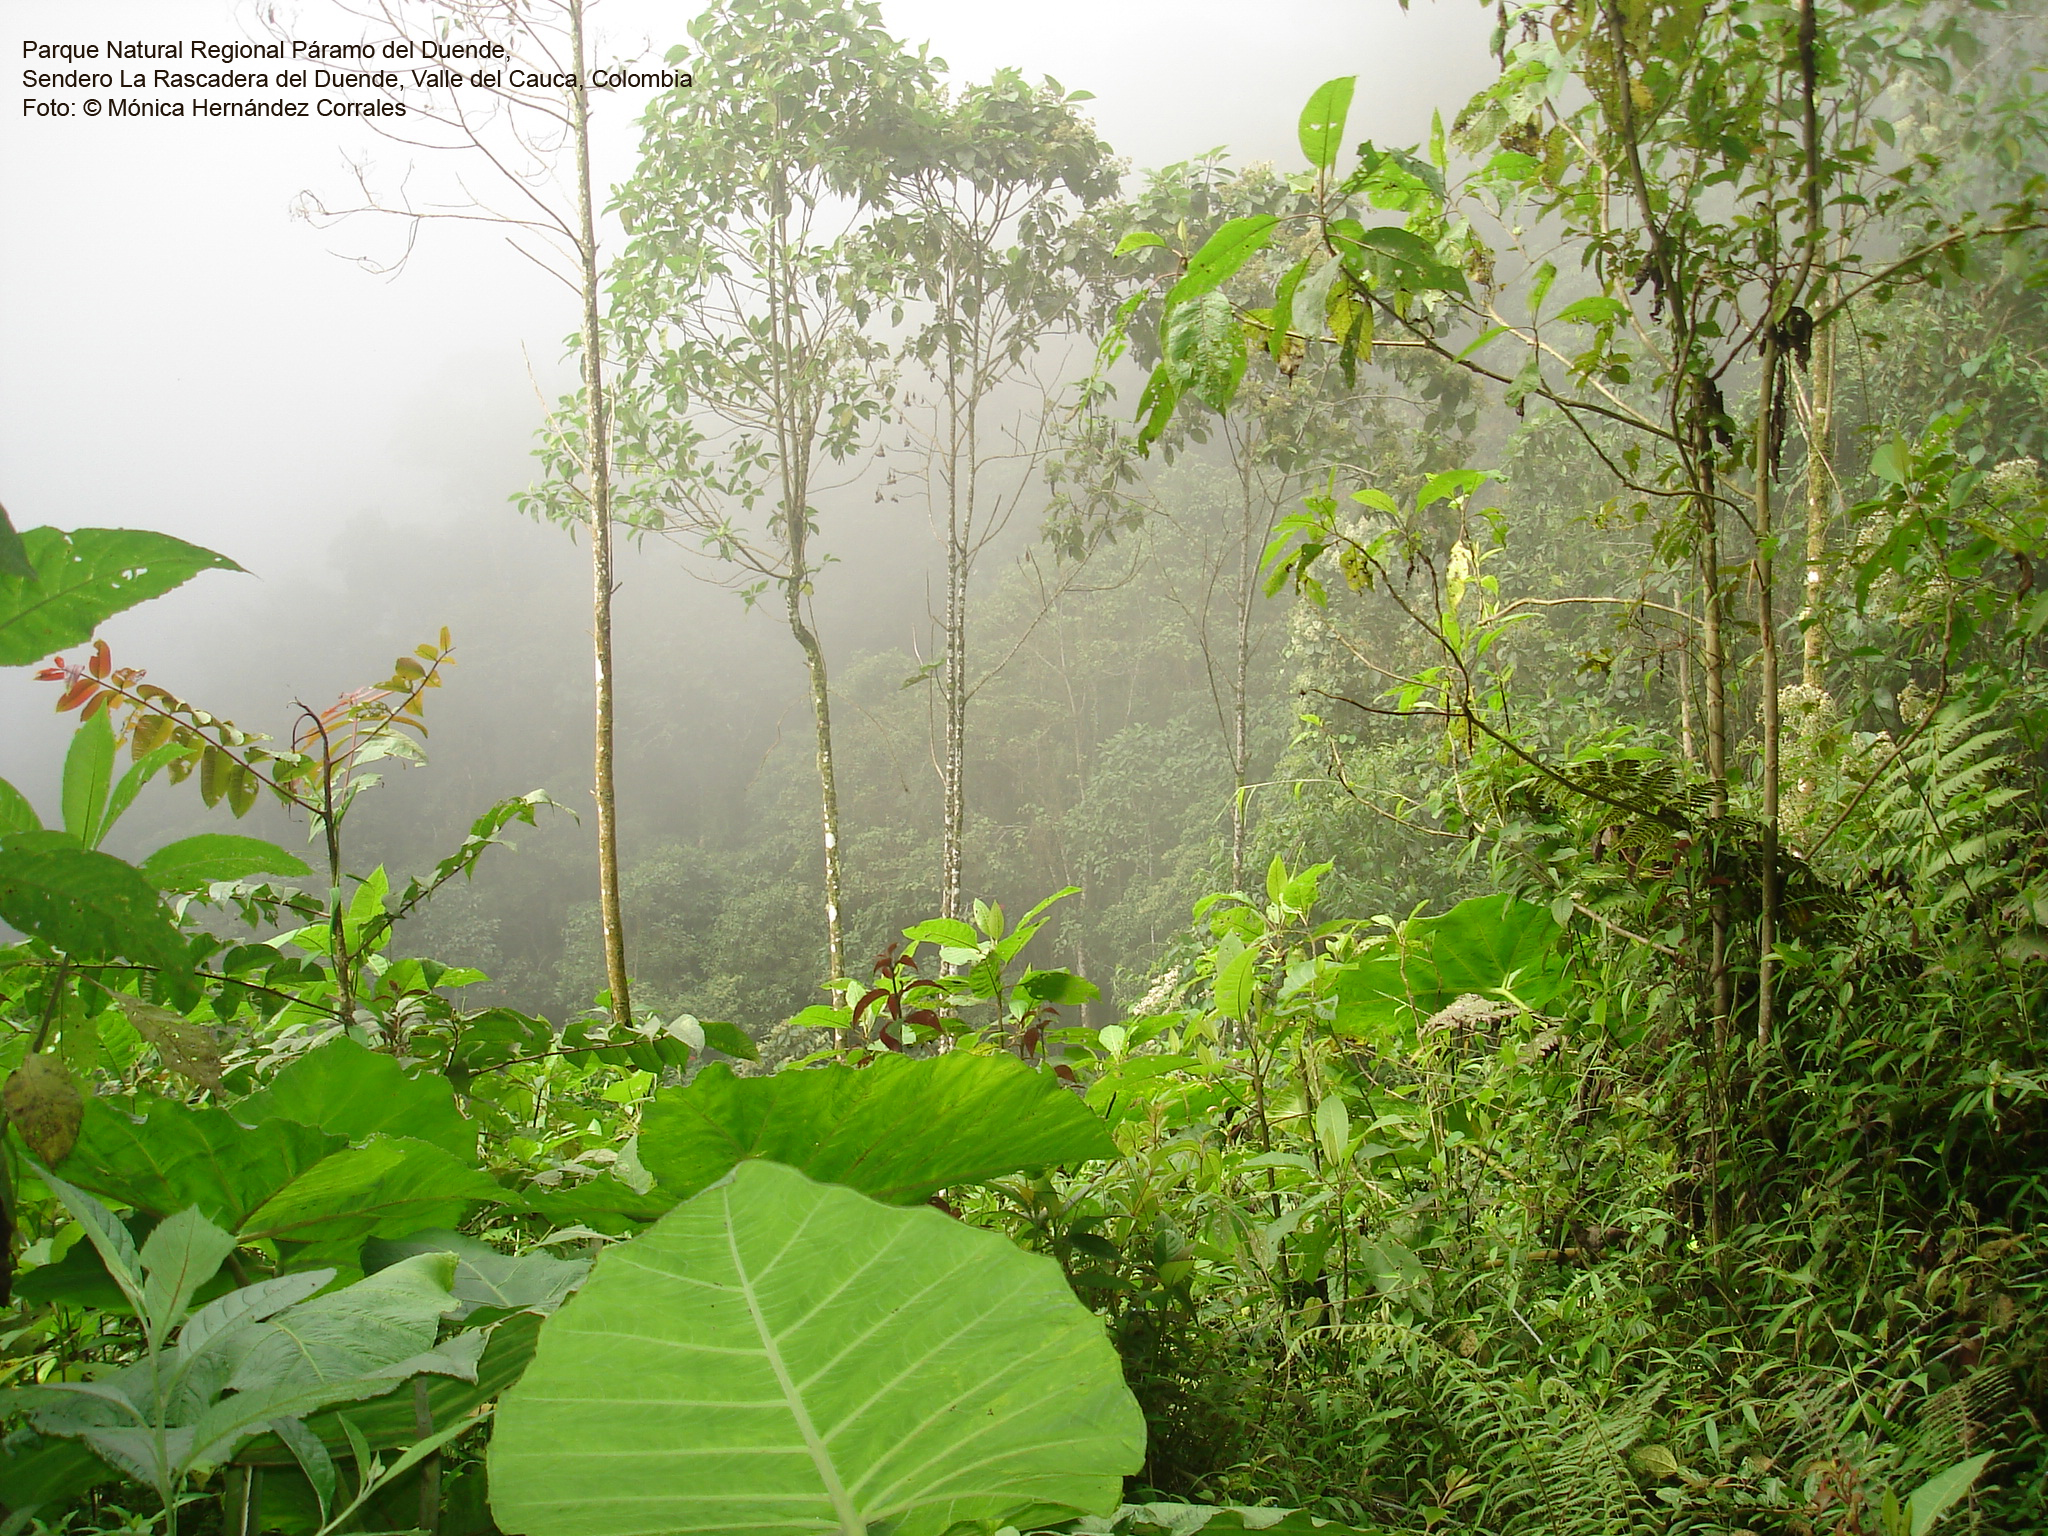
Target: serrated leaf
[[84, 578]]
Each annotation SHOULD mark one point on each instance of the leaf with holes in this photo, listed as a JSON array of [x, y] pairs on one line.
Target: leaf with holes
[[785, 1357], [84, 577]]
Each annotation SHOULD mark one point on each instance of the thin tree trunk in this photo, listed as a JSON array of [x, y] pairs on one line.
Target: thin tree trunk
[[1820, 490], [597, 450], [828, 784], [1767, 643], [1240, 740], [961, 448]]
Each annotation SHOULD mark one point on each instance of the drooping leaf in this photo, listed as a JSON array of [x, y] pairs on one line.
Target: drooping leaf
[[893, 1368], [86, 577], [89, 904], [358, 1093], [387, 1187], [176, 1155], [190, 1049], [898, 1129], [44, 1105], [192, 862]]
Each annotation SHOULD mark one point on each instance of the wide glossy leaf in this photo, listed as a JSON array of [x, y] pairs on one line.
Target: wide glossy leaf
[[192, 862], [900, 1129], [782, 1356], [358, 1093], [389, 1186], [174, 1156], [89, 904], [86, 577]]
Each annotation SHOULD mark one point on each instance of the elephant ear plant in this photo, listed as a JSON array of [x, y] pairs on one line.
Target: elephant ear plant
[[791, 1358], [255, 1359]]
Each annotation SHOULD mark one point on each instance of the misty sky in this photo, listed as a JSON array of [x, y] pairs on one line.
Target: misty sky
[[177, 353]]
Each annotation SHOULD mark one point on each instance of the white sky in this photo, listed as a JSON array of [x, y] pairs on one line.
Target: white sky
[[177, 353]]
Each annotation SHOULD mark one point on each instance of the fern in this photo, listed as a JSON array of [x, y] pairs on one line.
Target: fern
[[1935, 820]]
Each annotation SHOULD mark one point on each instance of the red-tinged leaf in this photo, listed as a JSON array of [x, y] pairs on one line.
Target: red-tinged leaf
[[54, 673], [78, 693], [1064, 1072], [102, 660], [874, 996], [151, 731], [99, 702]]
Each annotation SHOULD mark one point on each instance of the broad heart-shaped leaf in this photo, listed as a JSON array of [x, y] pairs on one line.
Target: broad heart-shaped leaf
[[779, 1357], [86, 903], [192, 862], [1490, 945], [355, 1092], [899, 1129], [389, 1186], [85, 577], [176, 1156]]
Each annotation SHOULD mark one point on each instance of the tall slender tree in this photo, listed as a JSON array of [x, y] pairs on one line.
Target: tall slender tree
[[744, 329], [983, 241], [532, 143]]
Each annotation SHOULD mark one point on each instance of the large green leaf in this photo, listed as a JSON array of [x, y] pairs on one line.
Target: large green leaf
[[780, 1356], [606, 1203], [484, 1277], [899, 1129], [387, 1187], [175, 1156], [16, 814], [192, 862], [1494, 946], [85, 577], [358, 1093], [86, 903]]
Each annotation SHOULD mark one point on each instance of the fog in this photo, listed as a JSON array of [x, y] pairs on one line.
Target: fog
[[178, 353]]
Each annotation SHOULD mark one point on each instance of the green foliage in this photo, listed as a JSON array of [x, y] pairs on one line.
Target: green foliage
[[77, 580], [794, 1356], [898, 1130]]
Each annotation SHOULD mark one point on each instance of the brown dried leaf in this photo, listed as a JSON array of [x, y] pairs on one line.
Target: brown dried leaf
[[187, 1049], [45, 1106]]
